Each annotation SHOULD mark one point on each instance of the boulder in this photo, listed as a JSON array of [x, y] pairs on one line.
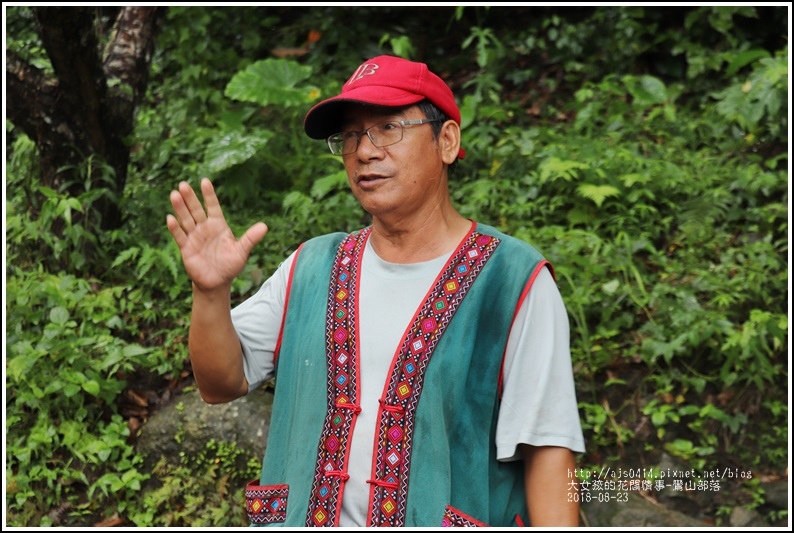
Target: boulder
[[188, 423]]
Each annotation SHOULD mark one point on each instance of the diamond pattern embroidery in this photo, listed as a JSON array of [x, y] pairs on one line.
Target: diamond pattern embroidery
[[319, 517], [451, 287], [393, 457], [389, 506], [340, 336], [332, 444], [428, 325], [341, 385], [266, 504], [402, 390], [418, 346], [395, 434]]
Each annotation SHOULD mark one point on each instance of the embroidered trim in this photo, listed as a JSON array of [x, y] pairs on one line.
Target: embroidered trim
[[395, 431], [389, 488], [456, 518], [341, 345], [266, 504]]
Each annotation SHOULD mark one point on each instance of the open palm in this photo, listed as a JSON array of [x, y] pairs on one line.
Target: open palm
[[212, 255]]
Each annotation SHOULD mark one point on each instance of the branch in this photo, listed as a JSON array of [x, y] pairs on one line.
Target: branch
[[130, 49], [31, 97]]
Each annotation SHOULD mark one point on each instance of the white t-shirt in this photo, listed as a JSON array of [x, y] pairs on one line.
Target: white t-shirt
[[538, 404]]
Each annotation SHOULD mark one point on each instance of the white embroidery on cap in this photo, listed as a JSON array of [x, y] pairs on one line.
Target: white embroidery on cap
[[367, 69]]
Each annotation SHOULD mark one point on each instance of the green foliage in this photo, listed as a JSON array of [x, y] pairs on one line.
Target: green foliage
[[273, 82], [24, 40], [670, 255], [53, 227], [401, 45], [756, 104], [215, 496], [65, 352], [642, 150]]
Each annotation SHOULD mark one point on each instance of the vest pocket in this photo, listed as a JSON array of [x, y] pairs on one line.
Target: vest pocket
[[456, 518], [266, 504]]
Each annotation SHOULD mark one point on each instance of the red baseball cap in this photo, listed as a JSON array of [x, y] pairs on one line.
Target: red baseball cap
[[383, 81]]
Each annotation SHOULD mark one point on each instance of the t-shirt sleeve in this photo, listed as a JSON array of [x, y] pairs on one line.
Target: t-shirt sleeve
[[538, 405], [258, 324]]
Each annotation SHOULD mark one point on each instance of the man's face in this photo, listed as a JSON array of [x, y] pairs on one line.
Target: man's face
[[399, 180]]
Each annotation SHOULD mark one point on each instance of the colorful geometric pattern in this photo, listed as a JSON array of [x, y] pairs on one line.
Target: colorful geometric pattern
[[266, 505], [324, 503], [455, 518], [395, 430]]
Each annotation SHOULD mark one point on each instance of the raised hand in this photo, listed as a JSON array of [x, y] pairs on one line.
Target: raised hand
[[212, 255]]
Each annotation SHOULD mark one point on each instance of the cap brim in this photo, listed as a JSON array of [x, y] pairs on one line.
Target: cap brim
[[325, 118]]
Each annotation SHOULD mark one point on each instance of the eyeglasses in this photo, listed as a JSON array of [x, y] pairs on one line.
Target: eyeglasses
[[381, 135]]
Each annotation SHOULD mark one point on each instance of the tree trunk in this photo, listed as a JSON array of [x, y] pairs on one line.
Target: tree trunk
[[80, 116]]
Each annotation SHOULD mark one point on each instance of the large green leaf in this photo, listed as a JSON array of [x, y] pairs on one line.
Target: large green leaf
[[744, 58], [326, 184], [646, 90], [233, 149], [273, 81]]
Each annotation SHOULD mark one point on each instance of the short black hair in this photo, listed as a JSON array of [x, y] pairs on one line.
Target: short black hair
[[432, 112]]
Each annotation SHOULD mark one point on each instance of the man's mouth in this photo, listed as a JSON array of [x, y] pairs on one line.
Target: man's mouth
[[369, 178]]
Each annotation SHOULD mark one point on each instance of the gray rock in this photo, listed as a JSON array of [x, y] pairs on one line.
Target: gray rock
[[742, 517], [187, 424], [776, 494]]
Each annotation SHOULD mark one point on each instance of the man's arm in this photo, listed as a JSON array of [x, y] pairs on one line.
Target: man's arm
[[547, 478], [215, 353], [213, 257]]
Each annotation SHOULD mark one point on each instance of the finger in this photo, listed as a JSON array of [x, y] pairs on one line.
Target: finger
[[210, 199], [183, 216], [192, 202], [176, 230]]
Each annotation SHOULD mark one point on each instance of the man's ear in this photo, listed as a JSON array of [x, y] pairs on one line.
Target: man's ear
[[449, 141]]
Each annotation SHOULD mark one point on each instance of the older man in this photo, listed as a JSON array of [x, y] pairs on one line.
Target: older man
[[422, 363]]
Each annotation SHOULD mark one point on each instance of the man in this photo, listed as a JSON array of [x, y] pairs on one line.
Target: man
[[422, 364]]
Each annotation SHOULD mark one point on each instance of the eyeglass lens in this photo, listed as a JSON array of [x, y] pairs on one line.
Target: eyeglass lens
[[380, 134]]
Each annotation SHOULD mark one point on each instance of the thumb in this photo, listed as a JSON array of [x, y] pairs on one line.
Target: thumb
[[252, 236]]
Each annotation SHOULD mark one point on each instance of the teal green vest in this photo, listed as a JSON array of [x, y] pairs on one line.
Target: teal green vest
[[452, 476]]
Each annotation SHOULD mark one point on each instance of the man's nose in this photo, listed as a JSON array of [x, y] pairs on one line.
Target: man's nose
[[366, 147]]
